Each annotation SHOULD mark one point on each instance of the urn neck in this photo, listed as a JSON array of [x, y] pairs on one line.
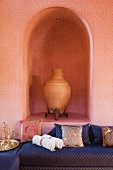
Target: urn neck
[[57, 73]]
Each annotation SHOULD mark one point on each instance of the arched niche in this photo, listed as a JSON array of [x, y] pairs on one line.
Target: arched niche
[[57, 37]]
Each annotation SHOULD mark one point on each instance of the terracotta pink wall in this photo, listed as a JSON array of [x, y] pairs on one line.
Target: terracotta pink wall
[[62, 43], [14, 19]]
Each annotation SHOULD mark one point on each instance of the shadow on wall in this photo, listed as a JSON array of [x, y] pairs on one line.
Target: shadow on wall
[[36, 96]]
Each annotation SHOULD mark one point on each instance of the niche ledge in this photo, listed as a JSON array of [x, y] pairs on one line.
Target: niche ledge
[[48, 123]]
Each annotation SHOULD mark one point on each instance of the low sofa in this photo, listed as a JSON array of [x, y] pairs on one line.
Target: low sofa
[[93, 156], [10, 160]]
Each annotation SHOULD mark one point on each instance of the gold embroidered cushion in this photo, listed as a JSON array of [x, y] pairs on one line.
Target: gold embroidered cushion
[[72, 136], [107, 136], [29, 129]]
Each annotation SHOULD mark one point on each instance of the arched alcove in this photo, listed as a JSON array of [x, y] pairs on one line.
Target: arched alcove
[[59, 38]]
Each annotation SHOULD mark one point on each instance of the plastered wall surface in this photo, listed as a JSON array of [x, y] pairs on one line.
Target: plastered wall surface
[[59, 40], [14, 19]]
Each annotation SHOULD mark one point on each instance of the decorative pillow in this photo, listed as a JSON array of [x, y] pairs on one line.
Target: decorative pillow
[[52, 132], [97, 133], [85, 132], [72, 136], [58, 131], [107, 136], [29, 129], [91, 137]]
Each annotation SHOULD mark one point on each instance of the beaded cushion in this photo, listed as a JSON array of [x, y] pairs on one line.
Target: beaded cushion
[[107, 136], [72, 136], [85, 132]]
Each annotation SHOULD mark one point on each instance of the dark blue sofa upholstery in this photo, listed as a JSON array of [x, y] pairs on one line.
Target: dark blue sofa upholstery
[[92, 156], [89, 156], [9, 160], [66, 168]]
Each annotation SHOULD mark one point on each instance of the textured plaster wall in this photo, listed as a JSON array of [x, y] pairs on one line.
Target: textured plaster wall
[[14, 19], [60, 40]]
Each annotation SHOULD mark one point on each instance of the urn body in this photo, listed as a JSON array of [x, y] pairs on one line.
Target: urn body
[[57, 91]]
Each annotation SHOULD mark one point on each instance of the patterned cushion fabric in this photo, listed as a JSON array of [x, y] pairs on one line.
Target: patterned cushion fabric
[[29, 129], [97, 133], [52, 132], [88, 156], [85, 132], [107, 136], [66, 168], [91, 137], [58, 131], [9, 161], [72, 136]]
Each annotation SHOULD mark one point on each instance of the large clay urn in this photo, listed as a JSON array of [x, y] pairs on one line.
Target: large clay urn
[[57, 93]]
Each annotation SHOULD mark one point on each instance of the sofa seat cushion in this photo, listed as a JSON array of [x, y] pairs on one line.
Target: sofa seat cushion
[[9, 161], [66, 168], [90, 155]]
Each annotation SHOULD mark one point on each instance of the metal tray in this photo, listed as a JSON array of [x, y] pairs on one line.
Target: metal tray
[[13, 144]]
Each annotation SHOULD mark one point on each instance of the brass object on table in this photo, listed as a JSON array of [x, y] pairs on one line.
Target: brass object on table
[[11, 145], [6, 143]]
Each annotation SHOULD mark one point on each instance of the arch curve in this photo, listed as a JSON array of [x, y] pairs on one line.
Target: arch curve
[[56, 29]]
